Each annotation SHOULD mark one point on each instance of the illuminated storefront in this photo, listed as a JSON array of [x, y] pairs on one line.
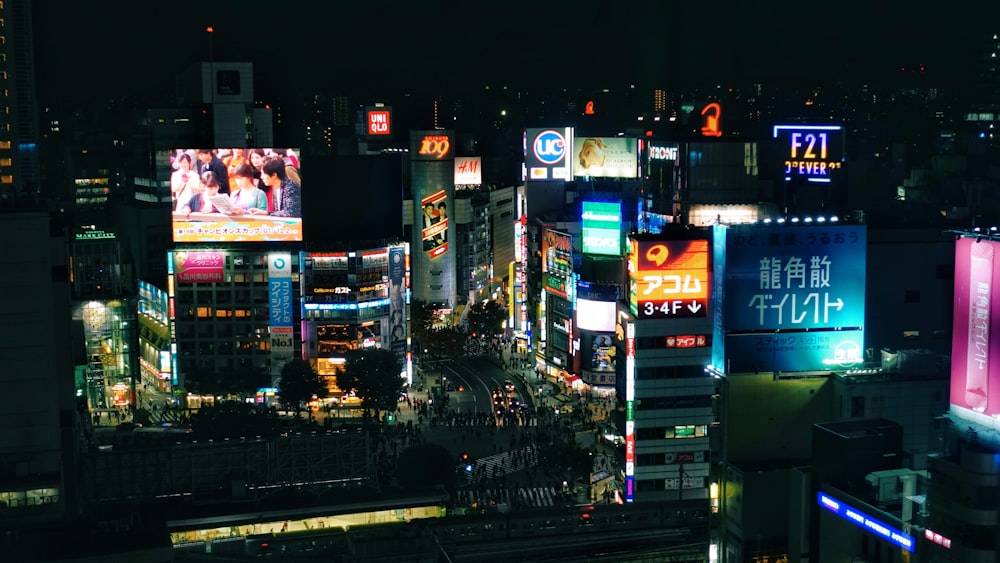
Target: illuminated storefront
[[154, 338], [354, 301], [108, 328]]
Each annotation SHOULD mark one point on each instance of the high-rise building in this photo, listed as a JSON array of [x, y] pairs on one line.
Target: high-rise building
[[39, 426], [19, 168]]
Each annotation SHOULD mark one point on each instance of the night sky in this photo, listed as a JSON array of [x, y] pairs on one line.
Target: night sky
[[115, 47]]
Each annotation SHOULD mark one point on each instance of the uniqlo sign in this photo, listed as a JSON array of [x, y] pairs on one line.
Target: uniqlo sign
[[379, 122]]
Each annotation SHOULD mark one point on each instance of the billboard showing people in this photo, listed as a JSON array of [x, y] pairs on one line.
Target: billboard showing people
[[606, 157], [434, 233], [236, 195], [973, 370]]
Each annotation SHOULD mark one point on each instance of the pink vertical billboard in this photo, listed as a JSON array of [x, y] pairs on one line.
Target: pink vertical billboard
[[975, 383]]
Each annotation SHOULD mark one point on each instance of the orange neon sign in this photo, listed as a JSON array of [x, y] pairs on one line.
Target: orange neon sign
[[669, 279], [435, 145], [712, 114]]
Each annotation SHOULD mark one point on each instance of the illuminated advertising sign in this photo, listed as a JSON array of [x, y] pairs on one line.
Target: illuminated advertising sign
[[629, 412], [687, 341], [601, 228], [236, 195], [781, 278], [432, 252], [862, 520], [397, 299], [279, 289], [712, 120], [603, 353], [431, 145], [974, 374], [669, 278], [794, 297], [606, 157], [199, 266], [379, 121], [813, 152], [547, 153], [556, 285], [597, 291], [557, 252], [596, 315], [468, 170], [660, 152], [434, 233]]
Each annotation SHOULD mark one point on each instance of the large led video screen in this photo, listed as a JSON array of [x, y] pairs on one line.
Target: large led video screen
[[598, 316], [974, 374], [669, 279], [601, 228], [606, 157], [236, 195], [794, 297]]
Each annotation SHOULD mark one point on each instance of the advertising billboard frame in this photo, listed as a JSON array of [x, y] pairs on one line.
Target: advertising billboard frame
[[233, 214]]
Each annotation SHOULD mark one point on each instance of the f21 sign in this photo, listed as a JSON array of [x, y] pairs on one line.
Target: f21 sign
[[814, 153]]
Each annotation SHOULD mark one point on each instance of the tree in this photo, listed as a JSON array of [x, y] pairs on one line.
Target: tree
[[374, 375], [299, 384], [421, 321], [486, 318], [448, 342]]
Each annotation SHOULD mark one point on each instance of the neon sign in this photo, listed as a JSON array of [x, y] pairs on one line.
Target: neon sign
[[862, 520], [668, 279], [629, 412], [814, 152], [712, 114], [437, 146], [657, 152]]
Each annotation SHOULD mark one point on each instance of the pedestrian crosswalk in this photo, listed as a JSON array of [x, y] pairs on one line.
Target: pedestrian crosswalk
[[520, 497], [501, 464]]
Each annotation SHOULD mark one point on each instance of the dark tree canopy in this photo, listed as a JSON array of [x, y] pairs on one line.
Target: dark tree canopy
[[486, 318], [374, 375], [299, 383], [421, 320]]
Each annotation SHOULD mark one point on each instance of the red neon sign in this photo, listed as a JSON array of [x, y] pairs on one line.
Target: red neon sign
[[712, 114]]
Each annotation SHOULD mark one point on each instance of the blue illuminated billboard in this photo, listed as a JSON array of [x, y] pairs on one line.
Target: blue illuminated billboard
[[793, 297], [789, 277], [865, 521]]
